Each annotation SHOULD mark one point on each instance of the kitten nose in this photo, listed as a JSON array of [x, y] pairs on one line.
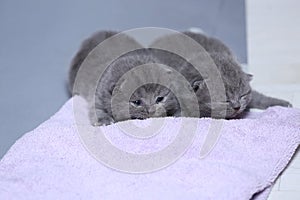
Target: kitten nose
[[236, 105], [237, 108], [152, 110]]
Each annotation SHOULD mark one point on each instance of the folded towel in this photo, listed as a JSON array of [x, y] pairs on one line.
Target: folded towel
[[54, 161]]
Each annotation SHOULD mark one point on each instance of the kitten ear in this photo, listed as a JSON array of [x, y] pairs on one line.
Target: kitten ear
[[249, 77], [198, 85]]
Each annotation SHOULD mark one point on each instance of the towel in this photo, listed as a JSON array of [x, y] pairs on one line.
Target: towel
[[55, 161]]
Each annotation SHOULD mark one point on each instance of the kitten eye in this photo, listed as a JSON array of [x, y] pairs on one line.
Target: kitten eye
[[247, 93], [137, 102], [159, 99], [195, 87]]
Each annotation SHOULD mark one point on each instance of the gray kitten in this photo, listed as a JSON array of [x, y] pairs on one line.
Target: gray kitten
[[148, 100], [239, 94], [156, 100]]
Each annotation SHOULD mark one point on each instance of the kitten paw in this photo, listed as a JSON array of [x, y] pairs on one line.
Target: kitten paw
[[285, 104], [103, 122], [289, 105]]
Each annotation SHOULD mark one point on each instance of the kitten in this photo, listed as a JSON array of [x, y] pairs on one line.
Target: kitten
[[239, 94], [156, 100], [148, 100]]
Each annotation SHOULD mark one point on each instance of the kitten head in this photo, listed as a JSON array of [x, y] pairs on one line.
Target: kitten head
[[237, 90], [238, 95], [153, 100], [150, 99]]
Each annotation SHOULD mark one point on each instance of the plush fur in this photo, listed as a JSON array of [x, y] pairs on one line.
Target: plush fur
[[157, 100], [240, 95]]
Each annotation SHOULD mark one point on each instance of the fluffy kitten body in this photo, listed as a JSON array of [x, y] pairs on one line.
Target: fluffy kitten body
[[239, 94], [156, 100]]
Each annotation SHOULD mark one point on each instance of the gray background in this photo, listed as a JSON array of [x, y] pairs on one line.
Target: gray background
[[39, 38]]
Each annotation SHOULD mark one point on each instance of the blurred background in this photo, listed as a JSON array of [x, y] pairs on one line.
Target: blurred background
[[39, 38]]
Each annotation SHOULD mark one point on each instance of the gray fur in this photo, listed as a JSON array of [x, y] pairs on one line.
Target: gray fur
[[147, 94], [240, 95], [144, 102], [86, 47]]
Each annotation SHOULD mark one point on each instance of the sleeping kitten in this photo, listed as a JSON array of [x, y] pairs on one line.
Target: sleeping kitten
[[155, 100], [239, 94]]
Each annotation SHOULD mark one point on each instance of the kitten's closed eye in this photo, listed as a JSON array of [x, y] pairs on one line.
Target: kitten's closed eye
[[247, 93]]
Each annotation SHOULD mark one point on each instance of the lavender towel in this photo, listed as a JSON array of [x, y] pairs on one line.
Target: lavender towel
[[51, 162]]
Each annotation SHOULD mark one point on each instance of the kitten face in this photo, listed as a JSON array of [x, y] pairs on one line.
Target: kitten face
[[236, 83], [237, 100], [237, 91], [152, 100]]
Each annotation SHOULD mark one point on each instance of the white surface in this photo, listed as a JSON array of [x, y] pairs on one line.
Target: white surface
[[51, 163], [273, 35], [288, 184], [273, 56]]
